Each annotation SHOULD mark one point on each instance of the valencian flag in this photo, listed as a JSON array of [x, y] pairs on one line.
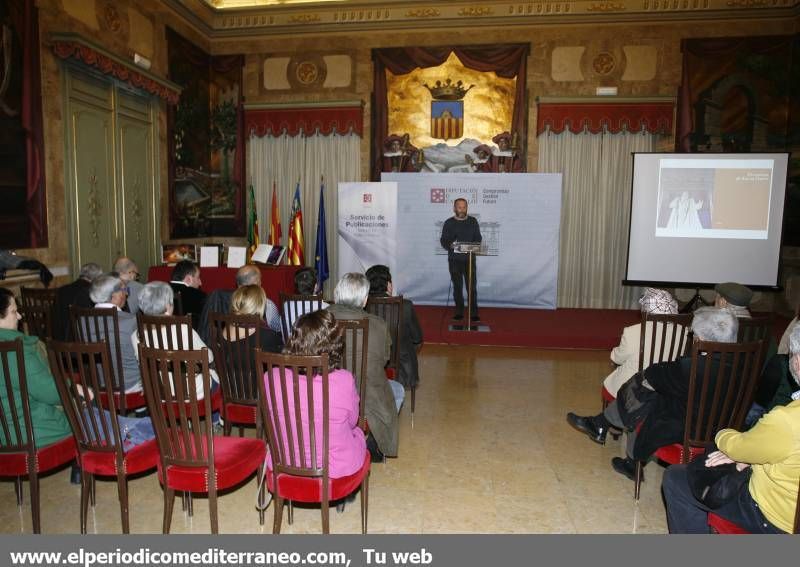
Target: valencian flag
[[296, 249], [252, 229], [321, 252], [447, 119], [274, 221]]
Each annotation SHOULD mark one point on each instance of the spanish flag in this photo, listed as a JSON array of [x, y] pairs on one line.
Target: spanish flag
[[252, 230], [296, 249], [275, 232]]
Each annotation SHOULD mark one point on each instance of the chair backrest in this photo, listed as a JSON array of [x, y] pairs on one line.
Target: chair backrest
[[390, 309], [37, 321], [45, 298], [721, 387], [287, 403], [236, 365], [293, 306], [78, 369], [355, 334], [177, 303], [666, 338], [16, 430], [756, 329], [95, 324], [184, 437], [165, 332]]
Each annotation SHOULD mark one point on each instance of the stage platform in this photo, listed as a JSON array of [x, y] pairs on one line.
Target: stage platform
[[588, 329]]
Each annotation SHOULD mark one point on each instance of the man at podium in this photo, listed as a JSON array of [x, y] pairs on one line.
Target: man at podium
[[461, 228]]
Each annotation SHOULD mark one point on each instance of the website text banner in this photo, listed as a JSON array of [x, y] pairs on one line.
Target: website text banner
[[519, 216], [386, 550], [367, 226]]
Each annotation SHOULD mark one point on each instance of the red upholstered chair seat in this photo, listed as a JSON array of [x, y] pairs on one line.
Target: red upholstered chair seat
[[606, 395], [722, 526], [47, 458], [140, 458], [307, 489], [240, 413], [672, 453], [235, 458], [134, 400]]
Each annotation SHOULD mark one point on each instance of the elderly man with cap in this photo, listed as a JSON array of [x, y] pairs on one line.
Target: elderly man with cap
[[399, 155], [482, 162], [734, 297], [505, 158], [626, 354]]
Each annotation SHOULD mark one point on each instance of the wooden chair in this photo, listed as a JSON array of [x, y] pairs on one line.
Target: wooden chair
[[390, 309], [165, 332], [720, 525], [355, 333], [41, 320], [177, 304], [294, 474], [666, 338], [37, 321], [19, 454], [757, 328], [293, 306], [236, 367], [720, 395], [192, 459], [90, 325], [101, 451]]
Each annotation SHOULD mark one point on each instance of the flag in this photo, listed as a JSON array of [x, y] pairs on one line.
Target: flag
[[252, 230], [321, 252], [274, 221], [296, 248]]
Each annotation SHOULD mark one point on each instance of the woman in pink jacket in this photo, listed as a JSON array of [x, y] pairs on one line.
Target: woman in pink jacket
[[314, 334]]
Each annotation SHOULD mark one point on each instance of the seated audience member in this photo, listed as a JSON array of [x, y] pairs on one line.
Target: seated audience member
[[767, 503], [305, 283], [186, 281], [315, 334], [626, 354], [251, 300], [129, 274], [655, 416], [383, 397], [156, 299], [380, 285], [219, 301], [75, 293], [734, 297], [110, 291], [50, 423]]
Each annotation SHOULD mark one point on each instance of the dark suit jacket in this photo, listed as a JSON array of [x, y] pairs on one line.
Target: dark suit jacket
[[192, 300], [75, 293]]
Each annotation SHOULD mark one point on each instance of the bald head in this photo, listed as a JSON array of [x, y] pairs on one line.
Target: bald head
[[248, 275]]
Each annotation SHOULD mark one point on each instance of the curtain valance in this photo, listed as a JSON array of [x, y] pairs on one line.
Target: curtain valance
[[614, 117], [325, 120]]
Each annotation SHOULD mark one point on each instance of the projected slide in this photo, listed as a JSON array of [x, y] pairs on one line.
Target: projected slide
[[714, 198]]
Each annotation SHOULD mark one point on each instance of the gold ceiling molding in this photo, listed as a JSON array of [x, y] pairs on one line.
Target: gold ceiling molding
[[282, 17], [423, 13], [476, 11]]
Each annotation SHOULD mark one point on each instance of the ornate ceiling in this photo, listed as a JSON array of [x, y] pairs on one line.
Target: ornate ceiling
[[234, 18]]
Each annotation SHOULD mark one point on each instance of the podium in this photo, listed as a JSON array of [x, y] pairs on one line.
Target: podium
[[471, 249]]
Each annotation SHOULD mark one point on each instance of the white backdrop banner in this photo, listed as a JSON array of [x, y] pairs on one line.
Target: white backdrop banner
[[367, 226], [519, 216]]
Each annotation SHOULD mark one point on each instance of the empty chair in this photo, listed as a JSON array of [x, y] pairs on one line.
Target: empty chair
[[39, 305], [192, 459], [293, 306]]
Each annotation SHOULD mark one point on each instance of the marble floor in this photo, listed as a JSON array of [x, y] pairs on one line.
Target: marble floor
[[489, 452]]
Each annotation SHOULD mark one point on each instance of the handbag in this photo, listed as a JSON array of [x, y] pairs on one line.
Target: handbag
[[715, 486]]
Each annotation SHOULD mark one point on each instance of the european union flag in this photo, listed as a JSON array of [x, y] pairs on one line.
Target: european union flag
[[321, 252]]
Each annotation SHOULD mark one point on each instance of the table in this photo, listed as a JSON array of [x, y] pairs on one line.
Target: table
[[274, 279]]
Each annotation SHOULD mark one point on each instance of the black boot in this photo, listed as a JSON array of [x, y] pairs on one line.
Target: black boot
[[595, 427], [376, 456], [75, 475]]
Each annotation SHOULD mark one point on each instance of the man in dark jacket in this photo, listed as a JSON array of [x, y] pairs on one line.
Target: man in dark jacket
[[410, 341], [652, 408], [186, 280], [75, 293], [461, 228]]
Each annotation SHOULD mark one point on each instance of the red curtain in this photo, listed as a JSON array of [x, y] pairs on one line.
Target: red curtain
[[25, 19], [596, 116], [507, 61]]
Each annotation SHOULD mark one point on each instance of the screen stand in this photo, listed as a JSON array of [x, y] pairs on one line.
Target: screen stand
[[695, 302]]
